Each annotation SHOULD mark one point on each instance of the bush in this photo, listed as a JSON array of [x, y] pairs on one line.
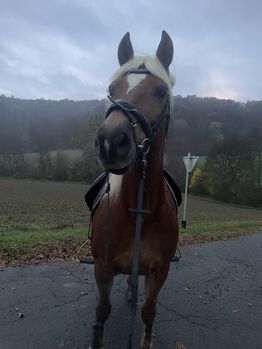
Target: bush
[[198, 183], [250, 197], [60, 170]]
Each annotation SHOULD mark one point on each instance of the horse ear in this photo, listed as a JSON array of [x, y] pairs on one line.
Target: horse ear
[[125, 49], [165, 50]]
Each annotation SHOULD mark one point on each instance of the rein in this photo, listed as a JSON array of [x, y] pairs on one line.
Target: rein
[[136, 117], [136, 245]]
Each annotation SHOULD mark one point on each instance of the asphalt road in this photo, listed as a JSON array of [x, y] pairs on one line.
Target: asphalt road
[[212, 299]]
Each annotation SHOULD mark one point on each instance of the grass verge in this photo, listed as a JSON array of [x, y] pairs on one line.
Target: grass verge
[[216, 230], [18, 247]]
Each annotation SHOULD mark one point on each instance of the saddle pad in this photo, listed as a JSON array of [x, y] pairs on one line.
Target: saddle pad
[[99, 186]]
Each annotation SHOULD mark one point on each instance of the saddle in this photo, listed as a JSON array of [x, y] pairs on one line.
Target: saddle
[[99, 187]]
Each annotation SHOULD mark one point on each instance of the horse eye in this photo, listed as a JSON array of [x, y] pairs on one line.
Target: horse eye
[[160, 92]]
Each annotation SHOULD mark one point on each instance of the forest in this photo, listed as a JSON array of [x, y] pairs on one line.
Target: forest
[[36, 136]]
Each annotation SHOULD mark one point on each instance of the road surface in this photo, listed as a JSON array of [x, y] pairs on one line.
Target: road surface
[[211, 300]]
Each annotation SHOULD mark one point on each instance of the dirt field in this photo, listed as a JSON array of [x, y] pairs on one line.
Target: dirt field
[[45, 220], [27, 205]]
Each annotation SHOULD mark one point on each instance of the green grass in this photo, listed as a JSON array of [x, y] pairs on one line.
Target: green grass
[[209, 231], [40, 237], [224, 227], [36, 246], [209, 220], [42, 221]]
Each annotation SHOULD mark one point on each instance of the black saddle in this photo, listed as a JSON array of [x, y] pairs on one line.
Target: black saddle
[[99, 187]]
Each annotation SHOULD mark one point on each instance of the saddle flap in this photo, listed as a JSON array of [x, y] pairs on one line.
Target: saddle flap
[[98, 189], [173, 187]]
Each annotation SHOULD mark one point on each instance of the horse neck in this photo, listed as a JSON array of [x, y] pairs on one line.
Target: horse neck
[[153, 187]]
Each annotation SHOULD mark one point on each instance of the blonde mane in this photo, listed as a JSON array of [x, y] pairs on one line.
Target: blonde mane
[[152, 64]]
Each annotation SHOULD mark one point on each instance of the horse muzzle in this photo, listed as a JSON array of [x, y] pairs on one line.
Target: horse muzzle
[[114, 146]]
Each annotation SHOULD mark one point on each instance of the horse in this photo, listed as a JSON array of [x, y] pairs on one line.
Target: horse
[[133, 133]]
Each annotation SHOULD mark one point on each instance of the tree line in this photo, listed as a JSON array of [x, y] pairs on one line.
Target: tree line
[[227, 134], [233, 171]]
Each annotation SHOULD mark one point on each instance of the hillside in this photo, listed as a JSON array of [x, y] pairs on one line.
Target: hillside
[[226, 133], [195, 122], [53, 122]]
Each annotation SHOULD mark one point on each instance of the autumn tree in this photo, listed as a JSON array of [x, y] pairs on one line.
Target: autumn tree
[[229, 173]]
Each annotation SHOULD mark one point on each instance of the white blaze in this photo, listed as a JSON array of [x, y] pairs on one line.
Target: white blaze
[[134, 80], [115, 182]]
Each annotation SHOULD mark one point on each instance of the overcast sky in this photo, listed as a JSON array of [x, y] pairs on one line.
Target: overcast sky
[[67, 48]]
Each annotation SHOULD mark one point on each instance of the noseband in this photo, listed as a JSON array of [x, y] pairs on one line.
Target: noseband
[[136, 117]]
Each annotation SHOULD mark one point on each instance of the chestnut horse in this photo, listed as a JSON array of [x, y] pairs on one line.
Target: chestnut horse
[[137, 119]]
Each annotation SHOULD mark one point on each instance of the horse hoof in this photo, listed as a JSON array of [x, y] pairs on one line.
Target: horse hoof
[[101, 347], [146, 344]]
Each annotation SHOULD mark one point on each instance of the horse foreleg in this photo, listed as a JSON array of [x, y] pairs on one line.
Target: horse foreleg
[[104, 281], [153, 284]]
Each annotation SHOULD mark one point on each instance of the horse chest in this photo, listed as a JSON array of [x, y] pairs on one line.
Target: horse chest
[[153, 254]]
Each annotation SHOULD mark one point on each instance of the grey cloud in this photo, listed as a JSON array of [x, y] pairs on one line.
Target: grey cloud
[[67, 49]]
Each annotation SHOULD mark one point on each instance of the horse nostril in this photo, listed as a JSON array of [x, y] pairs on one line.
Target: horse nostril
[[122, 140], [122, 143]]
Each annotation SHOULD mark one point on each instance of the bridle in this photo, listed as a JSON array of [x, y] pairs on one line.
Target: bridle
[[136, 117]]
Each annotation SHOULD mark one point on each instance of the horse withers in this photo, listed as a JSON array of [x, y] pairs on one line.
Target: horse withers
[[132, 135]]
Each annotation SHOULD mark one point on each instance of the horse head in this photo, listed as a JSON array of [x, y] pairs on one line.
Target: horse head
[[140, 95]]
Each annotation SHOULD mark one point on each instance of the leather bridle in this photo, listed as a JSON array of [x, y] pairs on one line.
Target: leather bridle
[[136, 117]]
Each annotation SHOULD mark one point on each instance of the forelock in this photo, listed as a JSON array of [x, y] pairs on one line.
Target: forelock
[[152, 64]]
